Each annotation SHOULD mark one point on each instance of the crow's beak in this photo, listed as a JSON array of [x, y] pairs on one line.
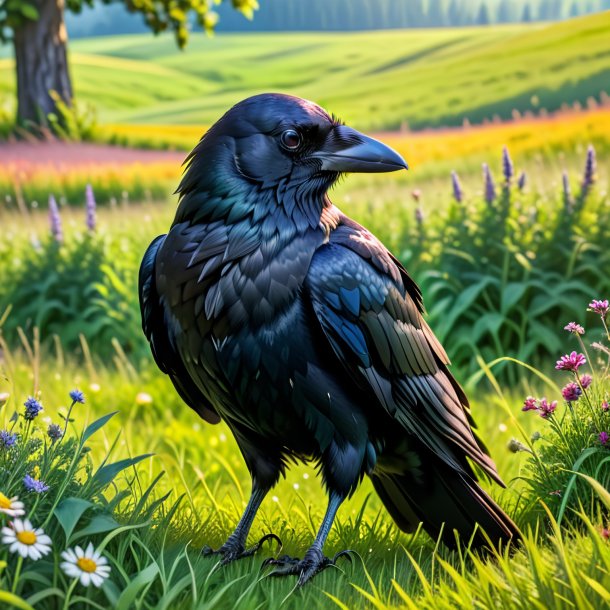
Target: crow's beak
[[347, 150]]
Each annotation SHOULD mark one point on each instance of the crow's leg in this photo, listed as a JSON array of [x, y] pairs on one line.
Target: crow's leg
[[235, 546], [314, 561]]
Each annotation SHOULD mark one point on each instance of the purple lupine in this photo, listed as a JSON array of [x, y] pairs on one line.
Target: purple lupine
[[521, 181], [490, 189], [55, 220], [507, 166], [567, 194], [571, 392], [458, 194], [572, 327], [570, 362], [588, 178], [586, 381], [90, 206], [547, 408]]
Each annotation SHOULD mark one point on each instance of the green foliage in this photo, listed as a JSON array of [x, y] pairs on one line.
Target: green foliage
[[73, 123]]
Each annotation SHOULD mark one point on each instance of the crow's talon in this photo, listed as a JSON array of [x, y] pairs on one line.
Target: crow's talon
[[230, 551], [305, 568]]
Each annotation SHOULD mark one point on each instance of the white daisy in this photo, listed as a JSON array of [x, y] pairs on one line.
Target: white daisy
[[26, 540], [88, 565], [11, 506]]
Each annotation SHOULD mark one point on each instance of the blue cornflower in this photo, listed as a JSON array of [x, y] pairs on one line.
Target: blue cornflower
[[32, 408], [32, 484], [54, 432], [7, 439], [77, 396]]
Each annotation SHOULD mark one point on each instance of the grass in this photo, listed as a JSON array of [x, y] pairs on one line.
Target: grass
[[374, 80]]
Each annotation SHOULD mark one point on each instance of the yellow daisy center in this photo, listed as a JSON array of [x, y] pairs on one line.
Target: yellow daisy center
[[26, 537], [4, 501], [86, 564]]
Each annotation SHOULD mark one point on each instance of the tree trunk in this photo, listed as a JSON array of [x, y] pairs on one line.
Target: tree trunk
[[41, 63]]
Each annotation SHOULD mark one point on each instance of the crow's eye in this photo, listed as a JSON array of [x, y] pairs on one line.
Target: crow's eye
[[290, 139]]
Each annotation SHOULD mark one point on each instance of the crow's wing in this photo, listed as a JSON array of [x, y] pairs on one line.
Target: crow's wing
[[163, 349], [371, 313]]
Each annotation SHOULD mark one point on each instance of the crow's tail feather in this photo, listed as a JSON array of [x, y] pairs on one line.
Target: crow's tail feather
[[454, 501]]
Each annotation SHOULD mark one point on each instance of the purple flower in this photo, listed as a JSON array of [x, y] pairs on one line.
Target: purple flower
[[77, 396], [32, 408], [521, 181], [547, 408], [90, 205], [600, 307], [419, 216], [570, 362], [32, 484], [567, 194], [572, 327], [605, 406], [586, 381], [571, 392], [54, 432], [458, 194], [490, 189], [588, 178], [55, 220], [507, 166], [7, 439], [603, 438], [530, 404]]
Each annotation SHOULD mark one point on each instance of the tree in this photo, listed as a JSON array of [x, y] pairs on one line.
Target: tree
[[38, 33], [483, 15]]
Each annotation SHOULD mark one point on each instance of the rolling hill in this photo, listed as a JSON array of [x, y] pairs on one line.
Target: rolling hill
[[375, 80]]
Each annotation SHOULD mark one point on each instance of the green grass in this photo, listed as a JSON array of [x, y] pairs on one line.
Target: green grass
[[375, 80]]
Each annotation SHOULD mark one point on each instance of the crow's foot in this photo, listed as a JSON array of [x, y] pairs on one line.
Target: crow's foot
[[232, 549], [306, 568]]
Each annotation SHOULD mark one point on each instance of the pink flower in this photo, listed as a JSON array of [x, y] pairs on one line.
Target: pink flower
[[605, 406], [600, 307], [530, 404], [547, 408], [586, 381], [571, 392], [570, 362], [605, 532], [572, 327], [603, 438]]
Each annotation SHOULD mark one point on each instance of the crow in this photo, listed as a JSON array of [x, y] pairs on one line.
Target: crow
[[275, 312]]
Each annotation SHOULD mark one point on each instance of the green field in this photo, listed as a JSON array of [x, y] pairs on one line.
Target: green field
[[375, 80]]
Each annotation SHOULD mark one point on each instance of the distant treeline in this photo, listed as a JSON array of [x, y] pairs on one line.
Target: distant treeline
[[315, 15]]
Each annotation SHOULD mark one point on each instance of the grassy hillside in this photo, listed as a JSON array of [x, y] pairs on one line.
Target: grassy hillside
[[376, 80]]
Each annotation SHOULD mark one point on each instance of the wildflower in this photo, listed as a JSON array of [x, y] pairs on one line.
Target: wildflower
[[521, 181], [32, 484], [11, 506], [507, 166], [599, 307], [26, 540], [490, 189], [605, 532], [603, 438], [88, 565], [54, 432], [535, 437], [458, 194], [571, 392], [416, 194], [547, 408], [567, 194], [516, 446], [530, 404], [7, 439], [605, 406], [32, 408], [570, 362], [77, 396], [588, 178], [55, 220], [586, 381], [142, 398], [90, 206], [4, 396], [572, 327], [419, 216]]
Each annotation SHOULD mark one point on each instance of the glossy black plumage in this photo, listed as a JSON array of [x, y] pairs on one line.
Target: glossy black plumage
[[271, 309]]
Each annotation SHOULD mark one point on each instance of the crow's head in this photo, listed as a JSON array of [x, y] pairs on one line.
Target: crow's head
[[281, 144]]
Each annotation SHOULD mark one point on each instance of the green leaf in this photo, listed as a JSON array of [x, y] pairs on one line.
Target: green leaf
[[99, 524], [13, 600], [144, 579], [95, 426], [511, 294], [69, 512], [107, 473], [29, 11]]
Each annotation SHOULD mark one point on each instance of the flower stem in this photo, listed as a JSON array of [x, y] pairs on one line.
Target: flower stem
[[69, 594], [17, 574]]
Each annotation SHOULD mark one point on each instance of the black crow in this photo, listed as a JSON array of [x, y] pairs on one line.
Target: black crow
[[273, 311]]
